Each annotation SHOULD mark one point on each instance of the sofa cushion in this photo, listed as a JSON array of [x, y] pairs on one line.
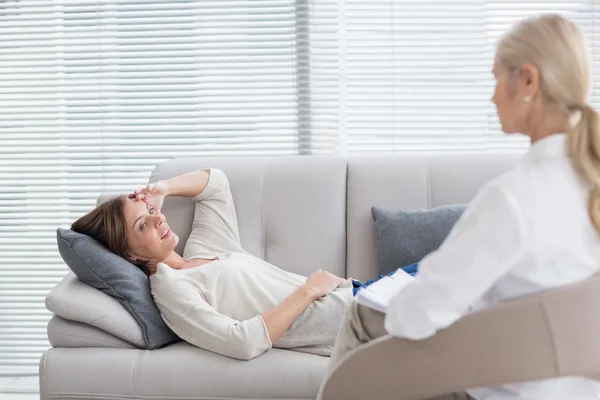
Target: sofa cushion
[[179, 371], [65, 333], [98, 267], [73, 300], [405, 237]]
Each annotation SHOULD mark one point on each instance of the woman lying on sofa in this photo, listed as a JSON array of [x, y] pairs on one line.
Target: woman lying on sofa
[[218, 296]]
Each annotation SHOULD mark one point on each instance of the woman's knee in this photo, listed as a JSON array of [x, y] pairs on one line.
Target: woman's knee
[[371, 321]]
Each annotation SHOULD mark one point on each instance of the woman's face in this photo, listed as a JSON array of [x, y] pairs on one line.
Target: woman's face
[[511, 107], [148, 233]]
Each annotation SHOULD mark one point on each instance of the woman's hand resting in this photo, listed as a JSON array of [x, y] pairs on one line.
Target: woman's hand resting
[[153, 194], [322, 282]]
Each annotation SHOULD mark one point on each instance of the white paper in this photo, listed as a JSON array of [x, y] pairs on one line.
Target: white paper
[[378, 294]]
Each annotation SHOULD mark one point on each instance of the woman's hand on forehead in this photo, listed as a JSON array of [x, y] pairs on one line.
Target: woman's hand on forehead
[[153, 194]]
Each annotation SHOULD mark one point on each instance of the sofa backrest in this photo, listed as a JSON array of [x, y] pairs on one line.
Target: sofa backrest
[[323, 218], [408, 183], [291, 210]]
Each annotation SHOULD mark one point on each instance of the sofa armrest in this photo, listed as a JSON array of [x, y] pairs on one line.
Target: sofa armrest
[[543, 336]]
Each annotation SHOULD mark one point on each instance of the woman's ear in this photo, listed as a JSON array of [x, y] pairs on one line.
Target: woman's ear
[[530, 80]]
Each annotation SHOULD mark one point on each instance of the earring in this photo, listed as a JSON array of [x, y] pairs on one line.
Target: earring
[[527, 99]]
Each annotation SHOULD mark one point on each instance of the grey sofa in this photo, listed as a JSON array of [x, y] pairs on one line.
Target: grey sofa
[[299, 213]]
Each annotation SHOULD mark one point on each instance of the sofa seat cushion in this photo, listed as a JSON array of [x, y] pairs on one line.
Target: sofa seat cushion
[[178, 371]]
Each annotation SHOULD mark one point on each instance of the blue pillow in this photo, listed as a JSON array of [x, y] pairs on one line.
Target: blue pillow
[[98, 267], [405, 237]]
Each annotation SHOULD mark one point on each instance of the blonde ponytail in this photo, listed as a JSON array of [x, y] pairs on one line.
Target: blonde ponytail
[[583, 142]]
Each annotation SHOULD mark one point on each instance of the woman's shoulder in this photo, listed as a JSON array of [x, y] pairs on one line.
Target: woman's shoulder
[[516, 183], [503, 197], [165, 276]]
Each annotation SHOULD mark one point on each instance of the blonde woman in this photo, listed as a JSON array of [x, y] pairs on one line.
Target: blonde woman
[[534, 228]]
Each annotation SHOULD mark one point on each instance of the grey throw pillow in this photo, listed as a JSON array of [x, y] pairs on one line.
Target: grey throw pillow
[[95, 265], [405, 237]]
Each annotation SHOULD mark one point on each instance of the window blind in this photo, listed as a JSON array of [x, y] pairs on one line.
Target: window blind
[[93, 94], [415, 76]]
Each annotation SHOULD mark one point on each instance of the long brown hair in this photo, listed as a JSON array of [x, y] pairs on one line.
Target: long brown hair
[[106, 223]]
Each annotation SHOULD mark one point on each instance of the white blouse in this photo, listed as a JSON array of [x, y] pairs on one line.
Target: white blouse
[[526, 231]]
